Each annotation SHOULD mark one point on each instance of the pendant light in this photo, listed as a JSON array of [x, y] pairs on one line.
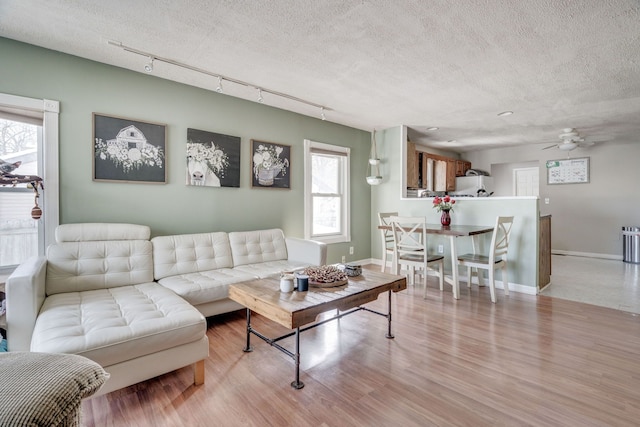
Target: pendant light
[[373, 168]]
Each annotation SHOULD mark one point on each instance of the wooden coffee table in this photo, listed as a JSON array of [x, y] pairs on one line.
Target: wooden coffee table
[[296, 309]]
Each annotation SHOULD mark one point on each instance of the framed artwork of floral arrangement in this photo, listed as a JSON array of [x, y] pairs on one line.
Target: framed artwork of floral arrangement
[[213, 159], [126, 150], [270, 165]]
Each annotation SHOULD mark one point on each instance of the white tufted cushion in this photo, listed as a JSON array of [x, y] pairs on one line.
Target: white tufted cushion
[[206, 286], [190, 253], [118, 324], [250, 247], [270, 268], [83, 266], [101, 231]]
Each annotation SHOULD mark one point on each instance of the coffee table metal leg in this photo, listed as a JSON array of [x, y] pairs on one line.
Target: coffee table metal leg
[[248, 348], [297, 384], [389, 334]]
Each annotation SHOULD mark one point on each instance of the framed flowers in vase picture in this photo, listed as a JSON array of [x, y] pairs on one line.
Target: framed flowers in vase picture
[[270, 165], [126, 150]]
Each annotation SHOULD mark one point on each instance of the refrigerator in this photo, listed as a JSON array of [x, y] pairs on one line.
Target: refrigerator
[[469, 185]]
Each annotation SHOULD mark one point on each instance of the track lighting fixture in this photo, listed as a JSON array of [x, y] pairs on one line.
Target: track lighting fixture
[[148, 67], [152, 58]]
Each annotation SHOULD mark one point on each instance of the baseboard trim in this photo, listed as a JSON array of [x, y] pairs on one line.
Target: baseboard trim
[[515, 287], [586, 254]]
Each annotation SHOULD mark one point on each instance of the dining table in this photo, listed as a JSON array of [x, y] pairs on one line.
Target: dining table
[[453, 232]]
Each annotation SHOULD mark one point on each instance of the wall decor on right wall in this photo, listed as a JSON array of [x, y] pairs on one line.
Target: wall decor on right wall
[[271, 165], [213, 159], [568, 171]]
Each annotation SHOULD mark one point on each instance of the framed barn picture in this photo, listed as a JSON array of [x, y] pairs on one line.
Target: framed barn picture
[[270, 165], [130, 151]]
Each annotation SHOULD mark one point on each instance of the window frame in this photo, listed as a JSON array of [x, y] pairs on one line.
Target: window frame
[[344, 183], [48, 159]]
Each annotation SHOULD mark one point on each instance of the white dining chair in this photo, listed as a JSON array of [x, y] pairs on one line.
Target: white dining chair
[[410, 250], [386, 237], [496, 260]]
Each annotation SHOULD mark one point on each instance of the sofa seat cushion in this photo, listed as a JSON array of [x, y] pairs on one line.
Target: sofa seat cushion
[[270, 268], [190, 253], [252, 247], [113, 325], [206, 286]]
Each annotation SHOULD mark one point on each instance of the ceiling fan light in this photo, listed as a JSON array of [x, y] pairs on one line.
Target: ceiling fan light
[[567, 146]]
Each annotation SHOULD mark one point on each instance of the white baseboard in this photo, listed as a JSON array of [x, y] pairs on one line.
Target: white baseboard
[[586, 254], [515, 287]]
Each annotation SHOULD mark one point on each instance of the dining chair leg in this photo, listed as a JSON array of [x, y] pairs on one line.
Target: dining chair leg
[[492, 284], [441, 276], [469, 273], [384, 260], [505, 279]]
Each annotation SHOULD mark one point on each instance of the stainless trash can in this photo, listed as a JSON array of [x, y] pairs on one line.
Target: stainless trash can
[[631, 244]]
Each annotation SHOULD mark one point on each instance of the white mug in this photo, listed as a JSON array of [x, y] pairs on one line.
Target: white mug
[[286, 283]]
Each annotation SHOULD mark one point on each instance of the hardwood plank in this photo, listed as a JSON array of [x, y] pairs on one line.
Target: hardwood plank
[[527, 360]]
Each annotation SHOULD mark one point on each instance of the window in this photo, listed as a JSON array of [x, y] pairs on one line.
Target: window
[[326, 192], [29, 135]]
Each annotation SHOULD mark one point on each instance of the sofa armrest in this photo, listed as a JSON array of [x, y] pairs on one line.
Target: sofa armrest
[[25, 292], [306, 251]]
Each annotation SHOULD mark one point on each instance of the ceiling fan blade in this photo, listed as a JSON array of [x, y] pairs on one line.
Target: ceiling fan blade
[[551, 146]]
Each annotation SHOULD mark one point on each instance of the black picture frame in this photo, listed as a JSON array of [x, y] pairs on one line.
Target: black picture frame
[[128, 151], [213, 159], [270, 165]]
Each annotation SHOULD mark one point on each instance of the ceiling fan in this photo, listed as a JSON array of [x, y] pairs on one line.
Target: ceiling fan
[[571, 140]]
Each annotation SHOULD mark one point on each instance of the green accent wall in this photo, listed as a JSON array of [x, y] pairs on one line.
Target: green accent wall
[[84, 87]]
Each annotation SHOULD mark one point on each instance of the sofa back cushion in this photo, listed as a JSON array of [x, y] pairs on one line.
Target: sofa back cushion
[[190, 253], [98, 256], [250, 247]]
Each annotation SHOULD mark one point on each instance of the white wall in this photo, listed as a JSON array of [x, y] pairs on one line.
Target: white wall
[[586, 218]]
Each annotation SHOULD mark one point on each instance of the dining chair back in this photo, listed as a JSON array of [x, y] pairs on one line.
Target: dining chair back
[[411, 250], [495, 260], [386, 237]]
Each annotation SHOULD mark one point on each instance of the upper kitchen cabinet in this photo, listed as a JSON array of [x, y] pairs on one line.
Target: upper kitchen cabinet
[[413, 166], [462, 166], [431, 171]]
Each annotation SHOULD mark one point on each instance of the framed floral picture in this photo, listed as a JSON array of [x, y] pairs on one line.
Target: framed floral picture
[[213, 159], [270, 165], [126, 150]]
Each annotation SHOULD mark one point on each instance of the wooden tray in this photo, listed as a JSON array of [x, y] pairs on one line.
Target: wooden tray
[[328, 284]]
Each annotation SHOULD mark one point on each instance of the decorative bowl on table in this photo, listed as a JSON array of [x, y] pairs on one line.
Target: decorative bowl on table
[[326, 276]]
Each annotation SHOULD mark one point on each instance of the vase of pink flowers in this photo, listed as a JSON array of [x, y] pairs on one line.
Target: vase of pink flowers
[[444, 205]]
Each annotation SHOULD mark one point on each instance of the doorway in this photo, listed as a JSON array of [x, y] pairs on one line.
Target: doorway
[[526, 182]]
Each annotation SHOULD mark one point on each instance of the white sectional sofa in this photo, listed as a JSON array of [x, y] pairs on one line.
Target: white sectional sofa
[[200, 267], [134, 305]]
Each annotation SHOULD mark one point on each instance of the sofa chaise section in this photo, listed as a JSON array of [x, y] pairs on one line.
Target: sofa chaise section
[[94, 295]]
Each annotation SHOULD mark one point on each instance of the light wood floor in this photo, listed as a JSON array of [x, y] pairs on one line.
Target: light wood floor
[[526, 360]]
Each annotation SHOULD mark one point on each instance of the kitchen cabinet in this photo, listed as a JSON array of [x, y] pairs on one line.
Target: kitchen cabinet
[[451, 175], [416, 169], [413, 165], [462, 166], [544, 256]]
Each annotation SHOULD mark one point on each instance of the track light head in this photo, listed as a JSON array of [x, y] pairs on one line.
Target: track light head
[[219, 88], [322, 116], [260, 99], [148, 67]]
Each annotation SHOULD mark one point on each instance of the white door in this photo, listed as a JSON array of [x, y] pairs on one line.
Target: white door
[[526, 182]]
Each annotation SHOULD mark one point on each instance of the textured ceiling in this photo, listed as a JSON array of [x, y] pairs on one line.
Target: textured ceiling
[[377, 64]]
